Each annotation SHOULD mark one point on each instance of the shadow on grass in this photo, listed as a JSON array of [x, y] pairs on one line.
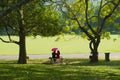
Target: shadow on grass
[[71, 69], [86, 62], [8, 61], [68, 61]]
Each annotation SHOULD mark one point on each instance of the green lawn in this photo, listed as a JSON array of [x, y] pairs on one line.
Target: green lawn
[[72, 69], [42, 45]]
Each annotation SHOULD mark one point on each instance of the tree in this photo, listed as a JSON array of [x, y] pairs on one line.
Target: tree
[[91, 19], [34, 18]]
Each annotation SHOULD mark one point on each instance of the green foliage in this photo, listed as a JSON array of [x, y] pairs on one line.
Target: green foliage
[[112, 24], [105, 35], [46, 20], [83, 35], [38, 19], [67, 28], [76, 9]]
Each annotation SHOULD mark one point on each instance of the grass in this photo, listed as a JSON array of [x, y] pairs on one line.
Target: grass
[[68, 44], [73, 69]]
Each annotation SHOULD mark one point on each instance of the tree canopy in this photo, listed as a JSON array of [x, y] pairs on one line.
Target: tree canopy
[[91, 19]]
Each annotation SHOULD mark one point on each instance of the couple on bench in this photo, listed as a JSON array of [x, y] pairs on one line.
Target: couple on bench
[[55, 55]]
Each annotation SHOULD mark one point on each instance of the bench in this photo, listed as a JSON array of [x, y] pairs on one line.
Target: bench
[[59, 60]]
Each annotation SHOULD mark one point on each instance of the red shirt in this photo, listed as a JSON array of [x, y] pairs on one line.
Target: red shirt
[[57, 55]]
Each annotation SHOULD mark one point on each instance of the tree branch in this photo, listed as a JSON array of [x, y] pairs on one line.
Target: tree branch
[[12, 41], [99, 12], [8, 24], [86, 16], [83, 29], [12, 27], [9, 36]]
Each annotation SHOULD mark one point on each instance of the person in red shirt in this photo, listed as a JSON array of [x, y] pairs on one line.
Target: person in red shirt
[[58, 54]]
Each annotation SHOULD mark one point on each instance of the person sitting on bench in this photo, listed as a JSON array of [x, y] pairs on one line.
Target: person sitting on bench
[[54, 56]]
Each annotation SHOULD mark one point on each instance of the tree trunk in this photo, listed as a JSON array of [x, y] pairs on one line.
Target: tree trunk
[[22, 50], [94, 43], [94, 57]]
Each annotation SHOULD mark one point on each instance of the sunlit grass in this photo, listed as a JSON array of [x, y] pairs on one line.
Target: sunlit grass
[[68, 44], [74, 69]]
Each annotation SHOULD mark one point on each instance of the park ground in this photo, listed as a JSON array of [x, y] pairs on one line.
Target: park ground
[[71, 69]]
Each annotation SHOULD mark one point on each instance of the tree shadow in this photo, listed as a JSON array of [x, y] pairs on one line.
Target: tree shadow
[[71, 69], [86, 62], [68, 61], [4, 61]]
